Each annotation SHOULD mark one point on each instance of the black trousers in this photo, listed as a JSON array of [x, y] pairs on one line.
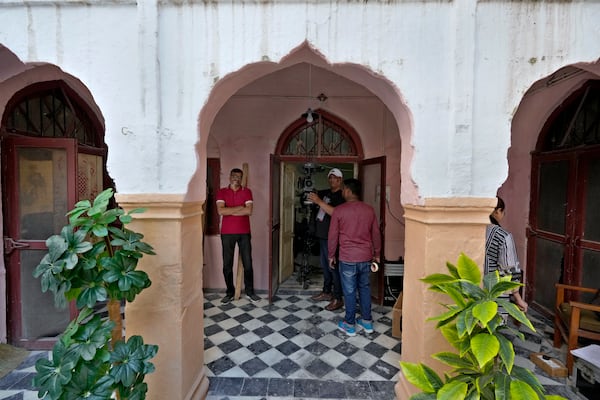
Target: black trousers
[[228, 242]]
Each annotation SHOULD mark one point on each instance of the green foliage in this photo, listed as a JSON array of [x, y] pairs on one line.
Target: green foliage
[[92, 260], [483, 365]]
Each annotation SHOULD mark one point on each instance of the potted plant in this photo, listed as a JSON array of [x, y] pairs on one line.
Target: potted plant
[[483, 364], [92, 261]]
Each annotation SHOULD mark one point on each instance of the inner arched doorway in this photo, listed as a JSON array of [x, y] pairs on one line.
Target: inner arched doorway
[[307, 149], [564, 238], [248, 125]]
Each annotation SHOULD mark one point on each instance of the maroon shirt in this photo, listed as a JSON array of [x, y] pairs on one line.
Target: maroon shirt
[[355, 228], [235, 224]]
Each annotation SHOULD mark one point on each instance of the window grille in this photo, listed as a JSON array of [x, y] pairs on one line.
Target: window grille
[[578, 123], [320, 138], [50, 113]]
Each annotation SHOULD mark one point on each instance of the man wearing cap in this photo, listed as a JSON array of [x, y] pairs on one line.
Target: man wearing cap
[[327, 200]]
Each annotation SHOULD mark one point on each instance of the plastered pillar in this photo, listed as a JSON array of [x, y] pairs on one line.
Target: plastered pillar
[[170, 312], [436, 232]]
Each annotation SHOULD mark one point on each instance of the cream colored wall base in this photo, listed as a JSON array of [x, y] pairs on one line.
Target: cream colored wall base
[[170, 312], [436, 232]]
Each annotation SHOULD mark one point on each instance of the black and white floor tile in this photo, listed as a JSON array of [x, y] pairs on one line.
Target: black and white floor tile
[[292, 348]]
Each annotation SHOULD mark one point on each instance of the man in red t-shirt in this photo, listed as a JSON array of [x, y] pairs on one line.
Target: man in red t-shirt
[[234, 203]]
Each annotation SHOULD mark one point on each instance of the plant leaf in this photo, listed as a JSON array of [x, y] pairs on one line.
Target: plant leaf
[[483, 383], [453, 360], [447, 316], [520, 390], [92, 336], [130, 241], [468, 269], [100, 230], [516, 313], [465, 322], [504, 287], [456, 295], [472, 395], [452, 269], [57, 245], [527, 376], [53, 374], [452, 391], [485, 311], [415, 374], [501, 386], [472, 291], [130, 359], [91, 294], [490, 280], [436, 279], [85, 384], [100, 202], [507, 352], [485, 347]]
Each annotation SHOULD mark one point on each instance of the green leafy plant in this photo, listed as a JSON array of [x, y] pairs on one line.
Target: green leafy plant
[[92, 261], [483, 366]]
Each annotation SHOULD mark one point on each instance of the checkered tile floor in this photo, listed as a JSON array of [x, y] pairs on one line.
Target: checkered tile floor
[[293, 348]]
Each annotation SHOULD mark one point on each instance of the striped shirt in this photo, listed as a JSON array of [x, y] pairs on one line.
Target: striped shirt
[[501, 255], [500, 251]]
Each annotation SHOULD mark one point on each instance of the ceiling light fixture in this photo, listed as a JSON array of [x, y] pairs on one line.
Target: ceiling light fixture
[[310, 115]]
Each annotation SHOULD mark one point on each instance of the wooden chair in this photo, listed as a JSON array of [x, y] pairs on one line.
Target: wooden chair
[[574, 320]]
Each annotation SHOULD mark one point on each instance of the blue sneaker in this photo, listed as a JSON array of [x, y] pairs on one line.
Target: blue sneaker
[[345, 327], [367, 326]]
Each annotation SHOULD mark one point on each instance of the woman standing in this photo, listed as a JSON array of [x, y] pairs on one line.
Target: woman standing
[[501, 253]]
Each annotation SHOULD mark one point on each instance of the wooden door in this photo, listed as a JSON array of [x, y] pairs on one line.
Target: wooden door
[[372, 177], [288, 194], [564, 234], [275, 225], [39, 188]]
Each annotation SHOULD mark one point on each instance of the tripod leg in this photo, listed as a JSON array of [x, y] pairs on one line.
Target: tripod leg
[[305, 272]]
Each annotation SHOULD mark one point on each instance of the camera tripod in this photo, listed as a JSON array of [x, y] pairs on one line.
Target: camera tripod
[[304, 266]]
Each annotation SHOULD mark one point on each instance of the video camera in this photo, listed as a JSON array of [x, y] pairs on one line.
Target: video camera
[[306, 182]]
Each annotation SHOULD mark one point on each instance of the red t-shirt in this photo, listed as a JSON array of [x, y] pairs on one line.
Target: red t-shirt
[[235, 224]]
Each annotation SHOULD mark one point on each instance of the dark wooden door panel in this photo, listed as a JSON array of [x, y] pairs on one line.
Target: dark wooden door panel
[[39, 187]]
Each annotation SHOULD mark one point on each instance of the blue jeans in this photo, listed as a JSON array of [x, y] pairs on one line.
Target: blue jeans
[[355, 278], [331, 277]]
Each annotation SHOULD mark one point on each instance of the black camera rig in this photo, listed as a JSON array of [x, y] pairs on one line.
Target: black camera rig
[[306, 183]]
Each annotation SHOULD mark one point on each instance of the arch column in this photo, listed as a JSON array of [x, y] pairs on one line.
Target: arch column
[[436, 232], [170, 312]]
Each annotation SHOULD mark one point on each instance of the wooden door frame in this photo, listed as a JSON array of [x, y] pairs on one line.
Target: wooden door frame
[[379, 296]]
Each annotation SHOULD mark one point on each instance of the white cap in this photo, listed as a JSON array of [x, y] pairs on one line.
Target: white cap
[[335, 172]]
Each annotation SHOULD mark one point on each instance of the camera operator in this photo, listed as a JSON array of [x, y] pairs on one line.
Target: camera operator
[[327, 200]]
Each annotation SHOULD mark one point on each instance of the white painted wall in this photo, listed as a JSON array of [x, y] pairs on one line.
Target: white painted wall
[[461, 68]]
